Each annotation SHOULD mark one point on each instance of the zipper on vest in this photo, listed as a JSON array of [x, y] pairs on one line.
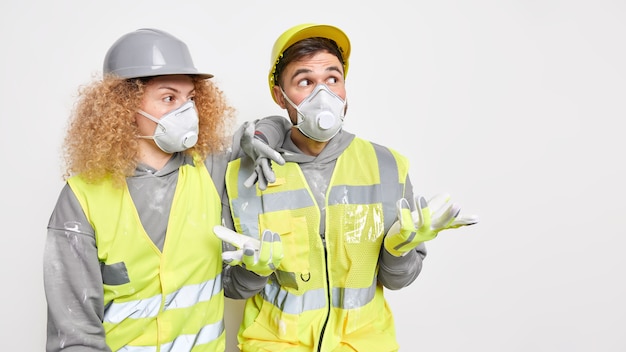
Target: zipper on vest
[[328, 306]]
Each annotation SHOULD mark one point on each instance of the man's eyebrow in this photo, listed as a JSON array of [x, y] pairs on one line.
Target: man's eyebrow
[[334, 68], [306, 70], [300, 71]]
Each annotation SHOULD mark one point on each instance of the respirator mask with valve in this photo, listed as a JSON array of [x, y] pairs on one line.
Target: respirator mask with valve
[[320, 115], [177, 130]]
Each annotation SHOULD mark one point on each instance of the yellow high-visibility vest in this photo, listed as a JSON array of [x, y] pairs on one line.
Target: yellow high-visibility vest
[[323, 297], [171, 300]]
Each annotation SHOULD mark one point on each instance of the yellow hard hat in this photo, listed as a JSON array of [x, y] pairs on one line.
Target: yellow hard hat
[[304, 31]]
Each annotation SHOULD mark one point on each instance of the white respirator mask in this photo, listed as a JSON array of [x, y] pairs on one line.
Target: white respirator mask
[[320, 115], [177, 130]]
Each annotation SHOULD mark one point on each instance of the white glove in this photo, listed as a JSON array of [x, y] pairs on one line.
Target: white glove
[[258, 150], [423, 224], [261, 257]]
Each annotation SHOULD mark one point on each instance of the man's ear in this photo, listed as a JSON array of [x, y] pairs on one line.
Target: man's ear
[[280, 99]]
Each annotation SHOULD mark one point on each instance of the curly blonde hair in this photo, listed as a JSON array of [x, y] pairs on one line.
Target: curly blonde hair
[[101, 139]]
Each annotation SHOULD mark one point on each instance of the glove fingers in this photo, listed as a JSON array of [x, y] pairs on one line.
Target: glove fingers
[[250, 256], [251, 180], [261, 178], [265, 254], [265, 151], [236, 239], [401, 237], [439, 203], [232, 258], [265, 260], [271, 250], [249, 128], [277, 252], [401, 206], [423, 212], [266, 169], [466, 220], [444, 220], [247, 140]]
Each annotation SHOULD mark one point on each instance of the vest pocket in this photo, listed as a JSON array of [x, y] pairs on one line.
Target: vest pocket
[[114, 274], [272, 324], [370, 328]]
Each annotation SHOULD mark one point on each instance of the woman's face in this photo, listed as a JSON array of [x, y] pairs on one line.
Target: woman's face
[[162, 95]]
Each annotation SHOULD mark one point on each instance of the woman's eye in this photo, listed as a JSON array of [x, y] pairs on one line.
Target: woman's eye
[[168, 99]]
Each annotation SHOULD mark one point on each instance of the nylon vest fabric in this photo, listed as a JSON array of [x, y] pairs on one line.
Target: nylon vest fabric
[[322, 300], [159, 301]]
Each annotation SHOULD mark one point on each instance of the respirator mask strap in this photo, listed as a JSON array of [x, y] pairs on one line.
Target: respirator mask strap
[[153, 119], [300, 115]]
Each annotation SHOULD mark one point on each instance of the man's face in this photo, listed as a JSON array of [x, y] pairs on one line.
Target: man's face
[[299, 78]]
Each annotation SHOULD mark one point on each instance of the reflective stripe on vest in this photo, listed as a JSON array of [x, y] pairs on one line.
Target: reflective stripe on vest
[[185, 297], [183, 343], [344, 298]]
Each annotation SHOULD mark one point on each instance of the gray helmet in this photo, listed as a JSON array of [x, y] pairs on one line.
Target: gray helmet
[[149, 52]]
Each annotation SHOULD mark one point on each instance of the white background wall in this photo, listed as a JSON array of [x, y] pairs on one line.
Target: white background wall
[[514, 107]]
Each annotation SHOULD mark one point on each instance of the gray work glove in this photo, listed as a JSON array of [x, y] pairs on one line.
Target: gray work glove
[[256, 148]]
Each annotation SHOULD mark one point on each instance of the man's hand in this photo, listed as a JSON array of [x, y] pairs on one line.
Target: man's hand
[[258, 150], [261, 257], [423, 224]]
